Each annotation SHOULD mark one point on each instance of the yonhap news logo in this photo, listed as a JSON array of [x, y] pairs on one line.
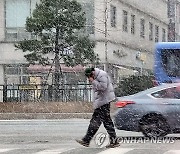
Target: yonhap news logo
[[102, 139], [142, 140]]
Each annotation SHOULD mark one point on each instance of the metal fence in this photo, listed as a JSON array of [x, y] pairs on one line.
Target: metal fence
[[46, 93]]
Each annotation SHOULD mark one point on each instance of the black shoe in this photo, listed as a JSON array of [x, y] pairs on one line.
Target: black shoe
[[82, 142], [113, 145]]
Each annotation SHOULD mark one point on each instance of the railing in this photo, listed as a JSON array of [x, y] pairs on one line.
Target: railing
[[45, 93]]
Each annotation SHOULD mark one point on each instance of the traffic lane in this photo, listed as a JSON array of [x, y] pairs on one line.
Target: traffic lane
[[53, 135], [62, 126], [22, 131], [51, 131]]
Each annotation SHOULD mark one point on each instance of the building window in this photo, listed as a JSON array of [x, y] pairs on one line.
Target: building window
[[150, 31], [16, 12], [125, 21], [156, 33], [171, 61], [113, 16], [142, 28], [163, 35], [132, 24], [88, 8], [171, 8]]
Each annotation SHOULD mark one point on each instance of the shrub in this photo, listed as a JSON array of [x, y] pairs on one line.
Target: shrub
[[133, 84]]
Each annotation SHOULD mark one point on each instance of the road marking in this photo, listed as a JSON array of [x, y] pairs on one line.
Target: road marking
[[5, 150], [172, 152], [116, 151], [54, 151]]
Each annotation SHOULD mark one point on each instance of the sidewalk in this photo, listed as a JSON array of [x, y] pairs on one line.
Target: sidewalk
[[46, 110]]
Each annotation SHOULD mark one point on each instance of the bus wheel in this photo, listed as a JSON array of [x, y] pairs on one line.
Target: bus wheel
[[154, 126]]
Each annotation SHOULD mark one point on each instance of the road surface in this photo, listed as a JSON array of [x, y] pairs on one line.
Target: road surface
[[58, 137]]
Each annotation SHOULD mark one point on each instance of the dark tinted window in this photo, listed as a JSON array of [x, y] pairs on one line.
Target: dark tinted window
[[171, 62], [173, 93], [113, 16], [156, 33], [142, 28], [125, 21]]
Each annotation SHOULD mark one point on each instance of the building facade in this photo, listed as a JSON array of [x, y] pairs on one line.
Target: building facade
[[125, 32], [133, 28], [174, 20]]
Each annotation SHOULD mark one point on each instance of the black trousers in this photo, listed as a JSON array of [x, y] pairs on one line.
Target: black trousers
[[100, 115]]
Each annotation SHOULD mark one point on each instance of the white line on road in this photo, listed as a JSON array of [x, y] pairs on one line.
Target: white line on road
[[54, 151], [5, 150], [172, 152], [46, 120], [116, 151]]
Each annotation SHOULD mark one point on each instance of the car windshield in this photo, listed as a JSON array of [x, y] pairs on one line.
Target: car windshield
[[149, 90]]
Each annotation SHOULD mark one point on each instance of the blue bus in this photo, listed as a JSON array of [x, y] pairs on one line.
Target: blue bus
[[167, 62]]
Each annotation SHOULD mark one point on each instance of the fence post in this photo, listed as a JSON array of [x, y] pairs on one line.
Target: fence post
[[4, 93], [69, 92]]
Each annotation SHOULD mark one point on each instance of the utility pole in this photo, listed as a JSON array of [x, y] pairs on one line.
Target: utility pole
[[57, 73], [105, 35], [57, 67], [172, 18]]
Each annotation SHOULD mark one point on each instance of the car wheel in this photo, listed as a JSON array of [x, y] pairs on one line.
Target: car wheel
[[154, 126]]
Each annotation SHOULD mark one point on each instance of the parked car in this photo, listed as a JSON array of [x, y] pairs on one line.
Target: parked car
[[155, 112]]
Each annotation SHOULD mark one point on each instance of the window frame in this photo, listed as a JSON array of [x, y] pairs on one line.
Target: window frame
[[133, 23], [156, 33], [151, 31], [163, 35], [162, 94], [142, 28], [113, 15], [125, 21]]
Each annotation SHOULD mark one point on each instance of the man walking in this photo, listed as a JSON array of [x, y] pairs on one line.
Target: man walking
[[103, 94]]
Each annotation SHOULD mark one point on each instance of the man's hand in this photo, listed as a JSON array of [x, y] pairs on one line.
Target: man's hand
[[90, 79]]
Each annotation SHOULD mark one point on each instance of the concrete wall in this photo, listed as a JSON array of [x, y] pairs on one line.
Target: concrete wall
[[156, 8], [127, 56], [2, 21], [1, 82], [178, 19], [9, 55]]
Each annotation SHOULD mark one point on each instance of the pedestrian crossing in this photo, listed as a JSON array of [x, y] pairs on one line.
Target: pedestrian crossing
[[172, 152], [118, 150], [55, 151], [5, 150]]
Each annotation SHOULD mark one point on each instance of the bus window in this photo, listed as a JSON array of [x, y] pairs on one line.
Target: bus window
[[171, 62], [167, 62]]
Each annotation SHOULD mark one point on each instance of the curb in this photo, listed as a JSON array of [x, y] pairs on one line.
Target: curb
[[15, 116]]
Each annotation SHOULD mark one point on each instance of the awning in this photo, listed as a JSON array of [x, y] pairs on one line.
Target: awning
[[44, 69], [124, 68]]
